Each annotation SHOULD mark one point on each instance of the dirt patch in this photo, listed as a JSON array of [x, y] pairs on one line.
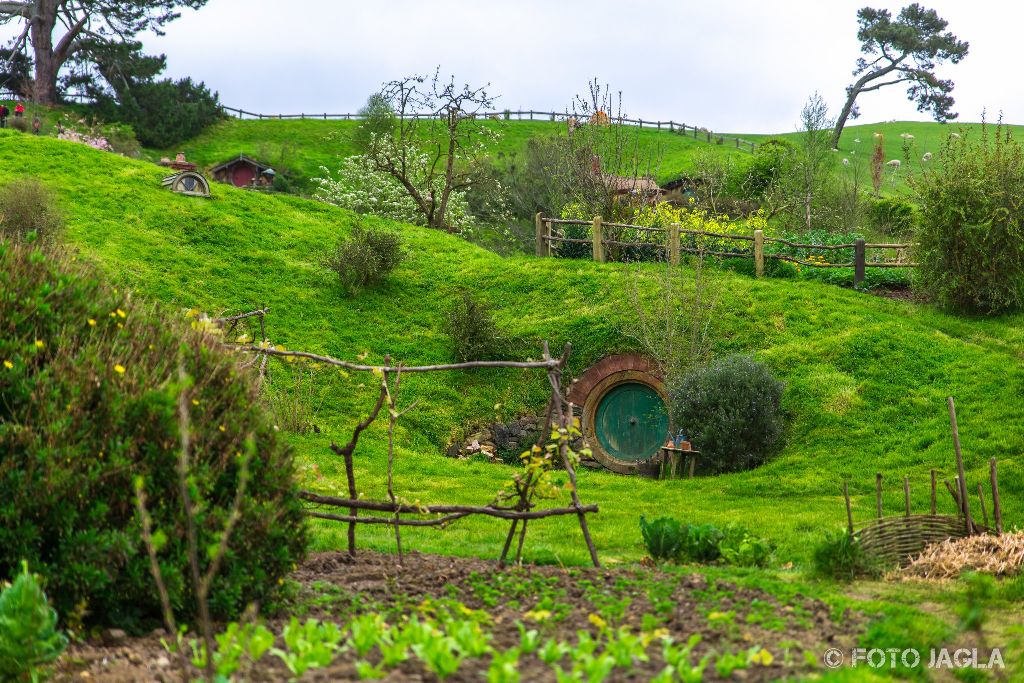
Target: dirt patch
[[732, 620]]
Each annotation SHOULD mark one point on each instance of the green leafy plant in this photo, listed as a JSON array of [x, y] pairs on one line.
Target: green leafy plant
[[740, 547], [971, 240], [442, 655], [394, 647], [365, 257], [529, 640], [840, 556], [250, 641], [504, 667], [677, 660], [701, 542], [553, 651], [732, 410], [96, 370], [29, 638], [309, 645], [664, 537], [471, 328], [367, 671], [365, 631]]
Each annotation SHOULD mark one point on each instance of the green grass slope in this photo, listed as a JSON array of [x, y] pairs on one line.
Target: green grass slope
[[867, 377], [304, 145]]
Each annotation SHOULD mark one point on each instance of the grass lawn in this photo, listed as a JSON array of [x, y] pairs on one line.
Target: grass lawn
[[866, 377]]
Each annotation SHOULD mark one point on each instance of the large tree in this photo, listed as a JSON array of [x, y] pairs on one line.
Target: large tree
[[904, 50], [60, 29]]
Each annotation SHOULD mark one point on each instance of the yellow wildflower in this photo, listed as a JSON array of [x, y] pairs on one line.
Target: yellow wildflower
[[39, 343], [764, 658], [92, 322], [538, 615], [221, 428], [597, 621], [8, 364], [119, 369], [195, 401], [121, 313]]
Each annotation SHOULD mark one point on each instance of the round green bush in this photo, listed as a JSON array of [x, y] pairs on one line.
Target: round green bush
[[731, 410], [89, 402]]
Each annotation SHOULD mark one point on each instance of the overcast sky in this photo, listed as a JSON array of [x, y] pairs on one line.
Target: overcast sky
[[730, 65]]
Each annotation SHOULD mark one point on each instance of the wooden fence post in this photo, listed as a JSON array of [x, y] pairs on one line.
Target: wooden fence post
[[598, 241], [849, 511], [933, 493], [541, 242], [962, 484], [981, 502], [878, 493], [906, 495], [673, 244], [709, 136], [997, 513], [759, 253], [858, 262]]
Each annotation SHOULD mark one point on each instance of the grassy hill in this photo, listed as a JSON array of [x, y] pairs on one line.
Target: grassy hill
[[303, 146], [866, 377]]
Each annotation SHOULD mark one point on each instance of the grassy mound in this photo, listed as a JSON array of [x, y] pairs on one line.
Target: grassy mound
[[867, 377]]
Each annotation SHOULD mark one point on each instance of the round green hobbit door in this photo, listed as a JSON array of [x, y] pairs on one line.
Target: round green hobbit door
[[631, 422]]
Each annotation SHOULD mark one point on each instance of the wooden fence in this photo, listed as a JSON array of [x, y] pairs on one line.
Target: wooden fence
[[551, 231], [698, 133]]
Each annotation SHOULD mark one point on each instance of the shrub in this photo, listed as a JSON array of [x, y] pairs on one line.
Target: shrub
[[731, 408], [971, 252], [841, 557], [165, 112], [89, 390], [26, 206], [663, 537], [893, 215], [472, 330], [365, 257], [28, 630]]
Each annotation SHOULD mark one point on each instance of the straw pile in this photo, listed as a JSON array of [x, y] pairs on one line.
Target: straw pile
[[996, 555]]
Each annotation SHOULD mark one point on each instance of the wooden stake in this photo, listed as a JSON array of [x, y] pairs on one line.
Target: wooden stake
[[759, 253], [997, 513], [598, 240], [933, 493], [693, 463], [878, 493], [541, 242], [849, 511], [981, 501], [906, 495], [956, 498], [673, 244], [962, 484], [508, 542]]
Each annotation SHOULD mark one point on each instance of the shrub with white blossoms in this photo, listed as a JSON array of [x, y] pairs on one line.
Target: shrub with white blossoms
[[358, 186]]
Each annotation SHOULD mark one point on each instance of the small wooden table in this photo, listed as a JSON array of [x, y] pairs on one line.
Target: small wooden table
[[673, 460]]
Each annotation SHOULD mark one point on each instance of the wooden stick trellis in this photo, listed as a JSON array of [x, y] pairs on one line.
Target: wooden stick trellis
[[396, 513], [895, 538]]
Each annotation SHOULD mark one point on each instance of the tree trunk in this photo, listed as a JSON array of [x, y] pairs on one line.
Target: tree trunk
[[41, 23], [844, 115]]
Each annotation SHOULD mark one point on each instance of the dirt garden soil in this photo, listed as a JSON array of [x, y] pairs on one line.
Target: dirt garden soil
[[794, 629]]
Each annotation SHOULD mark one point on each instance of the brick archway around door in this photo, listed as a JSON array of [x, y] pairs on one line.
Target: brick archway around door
[[609, 365]]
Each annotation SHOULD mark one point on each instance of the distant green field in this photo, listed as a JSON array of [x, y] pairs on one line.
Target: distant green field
[[866, 377]]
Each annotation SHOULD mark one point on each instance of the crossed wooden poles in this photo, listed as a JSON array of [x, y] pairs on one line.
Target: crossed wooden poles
[[520, 511]]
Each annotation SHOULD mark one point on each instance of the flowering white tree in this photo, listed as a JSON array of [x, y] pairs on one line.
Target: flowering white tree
[[360, 186], [428, 138]]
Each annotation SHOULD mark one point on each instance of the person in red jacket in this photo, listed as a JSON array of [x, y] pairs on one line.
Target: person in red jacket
[[19, 110], [4, 112]]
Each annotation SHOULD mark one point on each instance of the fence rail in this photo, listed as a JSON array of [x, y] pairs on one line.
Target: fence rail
[[547, 234], [698, 132]]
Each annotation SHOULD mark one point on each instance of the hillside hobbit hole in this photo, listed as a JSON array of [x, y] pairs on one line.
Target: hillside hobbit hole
[[625, 417], [243, 171]]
